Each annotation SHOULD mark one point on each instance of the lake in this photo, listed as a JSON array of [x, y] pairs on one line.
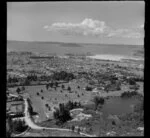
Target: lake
[[118, 105]]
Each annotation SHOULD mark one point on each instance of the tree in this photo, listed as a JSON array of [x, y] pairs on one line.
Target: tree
[[132, 81], [19, 126], [78, 130], [27, 82], [73, 127], [87, 88], [62, 114], [46, 105], [56, 84], [69, 88], [69, 105], [51, 84], [62, 86], [18, 90], [47, 86], [98, 100]]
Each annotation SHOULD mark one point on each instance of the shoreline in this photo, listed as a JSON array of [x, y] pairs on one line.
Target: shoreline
[[114, 57]]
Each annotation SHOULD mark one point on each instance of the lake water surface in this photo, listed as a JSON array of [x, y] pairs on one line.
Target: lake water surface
[[118, 105]]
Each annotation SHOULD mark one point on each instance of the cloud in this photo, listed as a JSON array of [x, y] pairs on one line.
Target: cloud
[[90, 27]]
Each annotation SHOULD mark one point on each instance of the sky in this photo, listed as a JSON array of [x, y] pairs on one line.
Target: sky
[[116, 22]]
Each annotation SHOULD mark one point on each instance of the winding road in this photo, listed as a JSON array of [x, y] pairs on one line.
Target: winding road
[[31, 124]]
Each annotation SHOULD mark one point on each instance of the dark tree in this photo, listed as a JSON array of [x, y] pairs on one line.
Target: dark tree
[[18, 90], [47, 105], [73, 127], [132, 81], [98, 100], [47, 86], [62, 86], [62, 114], [27, 82], [78, 130], [69, 88], [87, 88], [56, 84]]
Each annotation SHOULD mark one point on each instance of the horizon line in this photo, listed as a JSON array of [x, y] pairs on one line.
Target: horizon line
[[75, 42]]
